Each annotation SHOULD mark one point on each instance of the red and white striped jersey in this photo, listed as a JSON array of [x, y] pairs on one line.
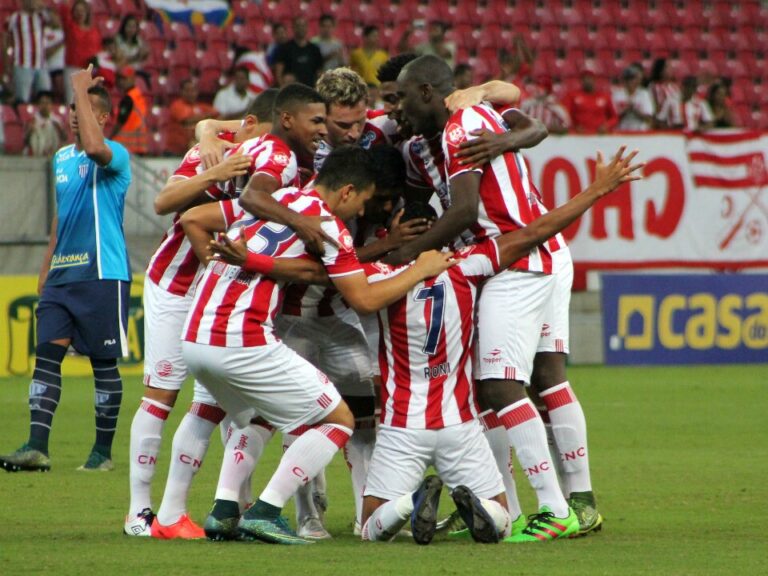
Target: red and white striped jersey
[[233, 308], [508, 198], [270, 156], [174, 266], [425, 351], [27, 30], [663, 91], [690, 115], [378, 129]]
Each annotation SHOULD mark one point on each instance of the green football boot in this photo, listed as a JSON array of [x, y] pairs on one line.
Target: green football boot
[[545, 526], [585, 507], [25, 459]]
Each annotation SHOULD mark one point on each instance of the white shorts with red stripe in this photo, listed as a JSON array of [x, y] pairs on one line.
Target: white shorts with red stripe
[[510, 315], [270, 381], [555, 330], [460, 454], [337, 346]]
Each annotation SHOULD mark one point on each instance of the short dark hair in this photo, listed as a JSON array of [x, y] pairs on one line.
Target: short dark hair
[[368, 30], [326, 17], [347, 164], [263, 105], [103, 96], [390, 167], [418, 209], [293, 95], [390, 70], [43, 94]]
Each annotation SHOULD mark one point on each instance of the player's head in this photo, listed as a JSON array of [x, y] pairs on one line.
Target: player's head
[[418, 209], [327, 25], [44, 102], [422, 86], [387, 76], [348, 176], [101, 104], [258, 116], [390, 183], [462, 76], [299, 119], [240, 78], [188, 91], [300, 28], [346, 94]]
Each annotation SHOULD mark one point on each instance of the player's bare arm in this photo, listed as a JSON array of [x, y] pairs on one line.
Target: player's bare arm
[[608, 177], [89, 131], [200, 224], [399, 234], [212, 147], [180, 193], [494, 91], [257, 199], [465, 198], [524, 132]]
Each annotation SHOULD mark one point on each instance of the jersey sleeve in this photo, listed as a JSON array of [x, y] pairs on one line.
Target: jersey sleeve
[[190, 164], [278, 162], [457, 131], [480, 260], [121, 160], [339, 260]]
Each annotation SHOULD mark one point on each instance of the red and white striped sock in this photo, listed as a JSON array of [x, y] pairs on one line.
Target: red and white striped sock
[[387, 520], [526, 434], [496, 436], [241, 454], [303, 501], [309, 454], [146, 431], [569, 428], [190, 443]]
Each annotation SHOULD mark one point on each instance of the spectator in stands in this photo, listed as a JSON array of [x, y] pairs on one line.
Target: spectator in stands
[[517, 64], [692, 113], [544, 106], [24, 51], [279, 37], [255, 62], [133, 49], [185, 112], [591, 110], [232, 101], [368, 58], [54, 52], [330, 47], [632, 102], [437, 44], [462, 76], [45, 133], [82, 40], [131, 125], [662, 86], [299, 58], [722, 115], [108, 61]]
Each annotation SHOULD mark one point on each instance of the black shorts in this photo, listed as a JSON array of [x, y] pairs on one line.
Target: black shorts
[[92, 314]]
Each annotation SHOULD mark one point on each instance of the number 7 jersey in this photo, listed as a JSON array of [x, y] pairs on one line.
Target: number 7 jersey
[[425, 351]]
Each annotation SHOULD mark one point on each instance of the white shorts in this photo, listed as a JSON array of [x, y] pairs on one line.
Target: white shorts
[[370, 324], [270, 381], [555, 330], [510, 315], [460, 454], [338, 347]]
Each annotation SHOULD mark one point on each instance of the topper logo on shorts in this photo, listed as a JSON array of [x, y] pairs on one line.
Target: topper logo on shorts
[[164, 368], [545, 330], [456, 134], [493, 357], [239, 457]]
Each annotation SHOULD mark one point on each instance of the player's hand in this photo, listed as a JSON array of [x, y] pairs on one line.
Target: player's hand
[[235, 165], [226, 250], [212, 150], [620, 170], [484, 147], [310, 230], [432, 263], [399, 233], [82, 80], [460, 99]]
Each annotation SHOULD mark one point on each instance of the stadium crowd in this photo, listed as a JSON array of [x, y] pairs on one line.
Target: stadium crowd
[[579, 72]]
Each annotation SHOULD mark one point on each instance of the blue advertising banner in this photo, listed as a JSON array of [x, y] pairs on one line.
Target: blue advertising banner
[[685, 319]]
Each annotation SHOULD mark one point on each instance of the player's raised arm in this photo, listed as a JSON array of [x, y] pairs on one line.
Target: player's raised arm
[[608, 177], [90, 122]]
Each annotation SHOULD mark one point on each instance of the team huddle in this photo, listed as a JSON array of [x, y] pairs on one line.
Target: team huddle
[[326, 262]]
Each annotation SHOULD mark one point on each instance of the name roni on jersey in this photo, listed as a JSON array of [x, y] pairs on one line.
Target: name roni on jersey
[[67, 260], [442, 369]]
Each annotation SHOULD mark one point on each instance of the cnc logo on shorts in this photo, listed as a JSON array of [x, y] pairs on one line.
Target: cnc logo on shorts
[[456, 134], [164, 368], [493, 357]]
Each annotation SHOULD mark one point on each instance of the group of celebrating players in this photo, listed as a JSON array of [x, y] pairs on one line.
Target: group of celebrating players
[[333, 214]]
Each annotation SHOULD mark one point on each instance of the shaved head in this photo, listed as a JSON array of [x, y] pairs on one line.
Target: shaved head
[[429, 69]]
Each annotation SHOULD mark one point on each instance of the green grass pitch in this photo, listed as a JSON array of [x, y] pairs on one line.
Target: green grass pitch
[[679, 463]]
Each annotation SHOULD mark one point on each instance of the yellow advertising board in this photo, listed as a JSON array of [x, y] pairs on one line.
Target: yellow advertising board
[[18, 301]]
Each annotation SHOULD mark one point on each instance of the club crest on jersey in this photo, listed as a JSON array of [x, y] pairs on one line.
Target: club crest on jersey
[[281, 159], [193, 154], [346, 240], [82, 169], [367, 139], [455, 134]]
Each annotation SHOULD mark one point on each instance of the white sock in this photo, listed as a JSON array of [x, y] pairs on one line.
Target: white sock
[[146, 430], [526, 434], [309, 454], [496, 436], [554, 453], [190, 443], [499, 514], [387, 520], [303, 501], [357, 453], [241, 454], [569, 428]]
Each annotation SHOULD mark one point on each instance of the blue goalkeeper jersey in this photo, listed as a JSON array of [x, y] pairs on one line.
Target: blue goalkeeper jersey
[[90, 244]]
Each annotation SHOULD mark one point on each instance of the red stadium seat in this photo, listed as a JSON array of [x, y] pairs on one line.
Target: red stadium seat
[[26, 112], [13, 130], [210, 81], [369, 13]]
